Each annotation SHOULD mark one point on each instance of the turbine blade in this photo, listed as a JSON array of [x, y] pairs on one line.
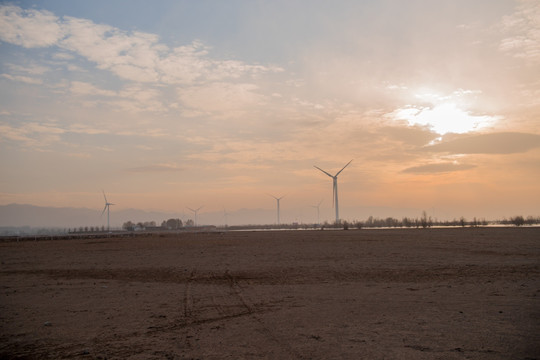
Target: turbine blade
[[275, 197], [103, 212], [344, 167], [104, 196], [322, 171], [199, 208], [190, 209]]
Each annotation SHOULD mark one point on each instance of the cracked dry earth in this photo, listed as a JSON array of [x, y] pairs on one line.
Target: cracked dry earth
[[469, 293]]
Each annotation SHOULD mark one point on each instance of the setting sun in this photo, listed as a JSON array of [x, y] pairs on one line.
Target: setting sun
[[444, 118]]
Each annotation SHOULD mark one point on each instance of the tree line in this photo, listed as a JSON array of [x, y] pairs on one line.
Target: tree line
[[427, 221], [170, 224], [424, 221]]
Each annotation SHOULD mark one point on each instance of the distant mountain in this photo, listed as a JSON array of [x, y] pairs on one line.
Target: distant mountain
[[38, 216], [17, 215]]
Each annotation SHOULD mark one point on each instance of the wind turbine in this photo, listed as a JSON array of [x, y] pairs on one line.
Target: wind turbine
[[225, 215], [195, 211], [335, 189], [107, 206], [317, 207], [277, 199]]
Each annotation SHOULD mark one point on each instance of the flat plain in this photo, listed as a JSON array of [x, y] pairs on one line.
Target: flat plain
[[461, 293]]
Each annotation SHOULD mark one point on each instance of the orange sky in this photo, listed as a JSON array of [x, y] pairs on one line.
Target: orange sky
[[189, 104]]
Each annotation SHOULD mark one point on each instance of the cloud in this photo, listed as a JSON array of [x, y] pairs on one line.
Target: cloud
[[414, 135], [142, 98], [31, 70], [26, 74], [24, 79], [83, 88], [43, 128], [396, 87], [8, 132], [496, 143], [133, 98], [29, 28], [522, 30], [85, 129], [438, 168], [63, 56], [442, 118], [221, 98], [32, 134], [131, 56], [135, 56], [159, 168]]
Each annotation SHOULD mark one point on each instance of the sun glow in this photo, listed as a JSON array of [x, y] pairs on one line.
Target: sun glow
[[444, 118]]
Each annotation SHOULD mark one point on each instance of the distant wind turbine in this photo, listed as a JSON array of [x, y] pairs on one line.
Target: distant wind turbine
[[225, 215], [107, 206], [317, 207], [195, 211], [278, 199], [335, 188]]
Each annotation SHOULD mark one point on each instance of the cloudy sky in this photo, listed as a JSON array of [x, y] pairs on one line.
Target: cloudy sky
[[174, 104]]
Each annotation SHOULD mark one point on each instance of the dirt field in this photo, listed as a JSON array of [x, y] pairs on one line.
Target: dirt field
[[470, 293]]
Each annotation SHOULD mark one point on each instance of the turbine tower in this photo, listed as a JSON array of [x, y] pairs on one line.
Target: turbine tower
[[335, 188], [195, 211], [226, 216], [277, 199], [318, 213], [107, 206]]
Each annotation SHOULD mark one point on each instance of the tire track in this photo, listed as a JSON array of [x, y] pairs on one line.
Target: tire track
[[188, 298], [269, 333], [207, 301], [188, 311], [215, 300]]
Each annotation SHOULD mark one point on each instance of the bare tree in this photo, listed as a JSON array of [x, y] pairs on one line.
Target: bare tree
[[517, 220]]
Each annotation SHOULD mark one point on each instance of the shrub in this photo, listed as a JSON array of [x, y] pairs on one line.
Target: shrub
[[517, 220]]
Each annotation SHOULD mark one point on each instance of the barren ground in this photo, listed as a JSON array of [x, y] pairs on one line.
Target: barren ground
[[470, 293]]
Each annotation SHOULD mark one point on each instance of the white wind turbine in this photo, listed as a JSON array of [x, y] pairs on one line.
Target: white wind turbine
[[318, 213], [278, 199], [195, 211], [107, 206], [226, 216], [335, 188]]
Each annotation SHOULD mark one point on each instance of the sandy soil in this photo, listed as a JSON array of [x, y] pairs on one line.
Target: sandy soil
[[468, 293]]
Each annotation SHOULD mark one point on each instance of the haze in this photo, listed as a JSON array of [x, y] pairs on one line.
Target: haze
[[174, 104]]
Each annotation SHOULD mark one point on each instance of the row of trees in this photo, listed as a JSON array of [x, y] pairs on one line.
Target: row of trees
[[424, 221], [520, 220], [170, 224], [406, 222], [86, 229]]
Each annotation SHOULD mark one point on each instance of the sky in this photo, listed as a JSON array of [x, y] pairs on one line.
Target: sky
[[174, 104]]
